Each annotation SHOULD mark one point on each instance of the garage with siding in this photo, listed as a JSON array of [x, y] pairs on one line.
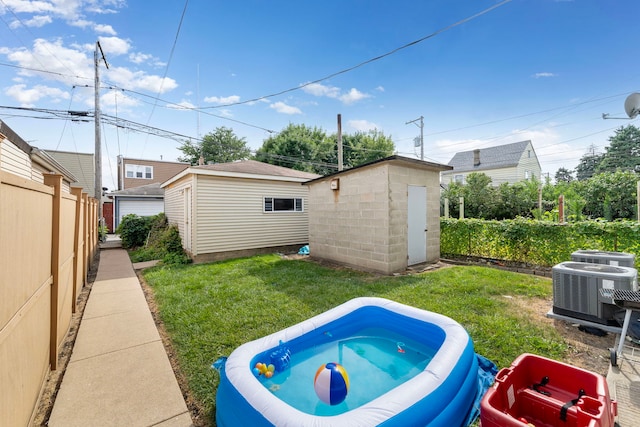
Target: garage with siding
[[146, 200], [241, 208]]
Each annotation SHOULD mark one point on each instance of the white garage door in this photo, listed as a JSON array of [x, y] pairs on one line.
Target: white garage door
[[139, 207]]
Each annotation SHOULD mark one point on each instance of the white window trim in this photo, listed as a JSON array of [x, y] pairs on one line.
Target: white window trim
[[138, 169], [298, 205]]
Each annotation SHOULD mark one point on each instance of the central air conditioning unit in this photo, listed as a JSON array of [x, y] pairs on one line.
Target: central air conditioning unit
[[616, 259], [576, 290]]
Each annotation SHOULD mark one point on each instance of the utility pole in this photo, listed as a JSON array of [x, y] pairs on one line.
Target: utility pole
[[98, 142], [340, 154], [421, 126]]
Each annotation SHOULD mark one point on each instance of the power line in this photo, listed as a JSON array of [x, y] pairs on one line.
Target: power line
[[377, 58], [166, 68]]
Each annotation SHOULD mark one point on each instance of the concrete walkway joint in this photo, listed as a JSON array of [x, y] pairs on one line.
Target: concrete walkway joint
[[119, 373]]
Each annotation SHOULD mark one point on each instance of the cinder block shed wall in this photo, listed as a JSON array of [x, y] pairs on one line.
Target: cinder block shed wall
[[351, 225], [400, 177], [364, 223]]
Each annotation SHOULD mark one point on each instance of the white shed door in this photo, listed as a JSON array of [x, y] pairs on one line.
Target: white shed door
[[139, 207], [417, 225]]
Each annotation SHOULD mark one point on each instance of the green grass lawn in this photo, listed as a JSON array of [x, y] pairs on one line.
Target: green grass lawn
[[210, 309]]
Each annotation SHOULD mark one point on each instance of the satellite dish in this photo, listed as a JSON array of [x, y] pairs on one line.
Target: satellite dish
[[632, 105]]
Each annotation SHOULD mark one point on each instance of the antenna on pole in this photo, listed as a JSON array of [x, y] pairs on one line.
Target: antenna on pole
[[421, 126], [340, 154], [98, 141]]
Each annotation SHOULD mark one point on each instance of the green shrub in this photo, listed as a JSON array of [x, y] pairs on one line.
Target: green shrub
[[154, 238], [134, 230], [536, 242]]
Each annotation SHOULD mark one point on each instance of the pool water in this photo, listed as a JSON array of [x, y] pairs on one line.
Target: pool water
[[376, 361]]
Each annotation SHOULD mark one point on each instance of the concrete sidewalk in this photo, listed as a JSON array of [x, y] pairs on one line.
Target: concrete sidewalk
[[119, 373]]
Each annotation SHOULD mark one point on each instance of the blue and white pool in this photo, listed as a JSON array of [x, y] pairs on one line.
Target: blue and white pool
[[406, 367]]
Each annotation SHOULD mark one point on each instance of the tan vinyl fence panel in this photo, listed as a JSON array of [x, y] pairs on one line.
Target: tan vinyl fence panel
[[25, 294], [42, 228]]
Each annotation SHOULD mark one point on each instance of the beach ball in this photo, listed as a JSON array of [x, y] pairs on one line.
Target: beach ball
[[331, 383]]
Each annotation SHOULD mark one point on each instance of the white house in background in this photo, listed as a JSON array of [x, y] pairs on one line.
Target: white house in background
[[241, 208], [507, 163]]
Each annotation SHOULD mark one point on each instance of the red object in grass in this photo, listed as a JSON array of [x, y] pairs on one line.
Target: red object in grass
[[539, 391]]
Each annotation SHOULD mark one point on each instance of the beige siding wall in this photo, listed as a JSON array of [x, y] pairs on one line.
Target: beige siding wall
[[529, 162], [14, 160], [229, 215], [162, 171], [81, 165], [174, 207], [498, 176], [352, 225]]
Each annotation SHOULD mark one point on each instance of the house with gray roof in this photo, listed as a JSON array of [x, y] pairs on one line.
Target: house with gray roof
[[241, 208], [144, 200], [507, 163]]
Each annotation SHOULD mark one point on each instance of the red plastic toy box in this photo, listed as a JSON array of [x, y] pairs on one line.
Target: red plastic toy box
[[540, 392]]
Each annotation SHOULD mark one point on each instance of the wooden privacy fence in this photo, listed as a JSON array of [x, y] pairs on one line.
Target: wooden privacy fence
[[48, 240]]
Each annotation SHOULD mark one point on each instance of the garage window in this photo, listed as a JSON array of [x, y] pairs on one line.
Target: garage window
[[139, 171], [282, 204]]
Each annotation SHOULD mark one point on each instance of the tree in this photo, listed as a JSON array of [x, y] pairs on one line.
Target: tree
[[219, 146], [310, 149], [610, 195], [298, 147], [564, 175], [365, 147], [623, 152], [588, 165], [479, 196]]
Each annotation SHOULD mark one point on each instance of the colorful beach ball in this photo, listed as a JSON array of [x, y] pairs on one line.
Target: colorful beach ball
[[331, 383]]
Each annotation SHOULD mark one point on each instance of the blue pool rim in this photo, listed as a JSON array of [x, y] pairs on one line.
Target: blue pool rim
[[441, 395]]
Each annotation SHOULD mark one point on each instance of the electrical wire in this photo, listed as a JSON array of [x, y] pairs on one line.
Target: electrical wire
[[166, 68], [368, 61]]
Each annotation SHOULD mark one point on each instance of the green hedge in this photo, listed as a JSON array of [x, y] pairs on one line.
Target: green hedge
[[535, 242]]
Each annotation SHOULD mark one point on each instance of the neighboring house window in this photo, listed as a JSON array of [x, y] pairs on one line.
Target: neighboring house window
[[529, 153], [139, 171], [527, 174], [282, 204], [459, 179]]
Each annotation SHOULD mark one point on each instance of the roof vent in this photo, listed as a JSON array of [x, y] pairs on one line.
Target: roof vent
[[476, 157]]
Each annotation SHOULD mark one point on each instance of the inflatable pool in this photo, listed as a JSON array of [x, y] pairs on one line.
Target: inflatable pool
[[428, 358]]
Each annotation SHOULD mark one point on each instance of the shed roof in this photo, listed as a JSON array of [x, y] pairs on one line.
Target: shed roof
[[246, 169], [149, 190], [500, 156], [401, 160]]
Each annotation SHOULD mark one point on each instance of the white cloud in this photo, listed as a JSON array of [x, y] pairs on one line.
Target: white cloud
[[36, 21], [354, 95], [539, 75], [222, 99], [318, 89], [139, 80], [27, 97], [283, 108], [362, 125], [114, 45], [104, 29], [380, 89], [21, 6], [55, 58]]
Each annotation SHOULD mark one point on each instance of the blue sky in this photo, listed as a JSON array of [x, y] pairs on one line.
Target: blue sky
[[543, 70]]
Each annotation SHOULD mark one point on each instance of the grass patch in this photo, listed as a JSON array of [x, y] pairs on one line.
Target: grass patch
[[210, 309]]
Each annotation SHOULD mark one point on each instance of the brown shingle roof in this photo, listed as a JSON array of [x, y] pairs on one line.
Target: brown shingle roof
[[257, 168]]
